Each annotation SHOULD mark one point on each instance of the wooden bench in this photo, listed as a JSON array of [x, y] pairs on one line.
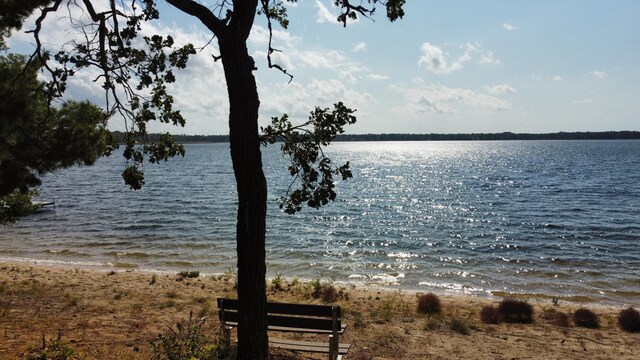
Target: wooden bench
[[300, 318]]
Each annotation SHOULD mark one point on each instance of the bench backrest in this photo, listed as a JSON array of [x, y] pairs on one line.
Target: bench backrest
[[302, 316]]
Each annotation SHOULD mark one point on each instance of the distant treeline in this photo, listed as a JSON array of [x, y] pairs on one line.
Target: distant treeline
[[604, 135]]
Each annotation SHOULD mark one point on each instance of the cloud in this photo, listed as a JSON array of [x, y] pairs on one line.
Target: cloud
[[377, 77], [421, 97], [582, 101], [487, 58], [299, 99], [359, 47], [557, 78], [509, 27], [499, 89], [438, 62], [600, 75], [435, 60], [323, 15]]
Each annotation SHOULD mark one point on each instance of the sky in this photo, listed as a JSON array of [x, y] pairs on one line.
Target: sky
[[461, 66]]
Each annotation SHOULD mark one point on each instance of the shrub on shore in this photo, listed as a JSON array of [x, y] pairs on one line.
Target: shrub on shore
[[629, 320], [329, 294], [585, 318], [516, 311], [429, 304], [560, 319], [490, 315]]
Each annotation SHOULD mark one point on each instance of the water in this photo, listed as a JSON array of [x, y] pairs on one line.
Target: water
[[556, 218]]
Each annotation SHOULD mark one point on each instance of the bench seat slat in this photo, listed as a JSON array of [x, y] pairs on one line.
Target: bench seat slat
[[318, 347], [343, 327], [317, 324]]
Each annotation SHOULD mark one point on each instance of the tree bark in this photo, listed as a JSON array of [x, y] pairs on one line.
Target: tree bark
[[252, 195]]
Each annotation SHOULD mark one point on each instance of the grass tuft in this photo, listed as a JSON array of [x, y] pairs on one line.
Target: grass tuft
[[560, 319], [629, 320], [516, 311], [584, 317], [490, 315], [429, 304], [329, 294], [459, 326]]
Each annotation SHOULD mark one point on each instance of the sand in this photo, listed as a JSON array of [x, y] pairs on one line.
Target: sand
[[103, 314]]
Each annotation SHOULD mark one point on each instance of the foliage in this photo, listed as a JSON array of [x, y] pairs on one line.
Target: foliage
[[277, 283], [56, 349], [35, 139], [560, 319], [429, 304], [310, 168], [459, 326], [188, 274], [17, 204], [185, 342], [490, 314], [584, 317], [516, 311], [329, 293], [629, 320]]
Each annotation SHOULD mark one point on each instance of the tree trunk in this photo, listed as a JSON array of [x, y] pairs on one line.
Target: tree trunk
[[252, 196]]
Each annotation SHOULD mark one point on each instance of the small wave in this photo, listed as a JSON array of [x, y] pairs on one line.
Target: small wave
[[65, 252], [135, 255]]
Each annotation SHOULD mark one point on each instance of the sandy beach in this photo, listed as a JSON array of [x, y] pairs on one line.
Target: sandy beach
[[105, 314]]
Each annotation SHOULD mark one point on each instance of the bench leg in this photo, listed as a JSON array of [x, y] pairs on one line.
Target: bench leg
[[333, 347], [226, 338]]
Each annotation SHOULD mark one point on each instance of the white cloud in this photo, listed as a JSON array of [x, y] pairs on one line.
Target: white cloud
[[499, 89], [435, 60], [488, 58], [323, 15], [557, 78], [299, 99], [509, 27], [359, 47], [600, 75], [438, 62], [422, 97], [377, 77], [583, 101]]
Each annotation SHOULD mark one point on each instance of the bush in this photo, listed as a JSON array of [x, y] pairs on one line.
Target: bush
[[188, 274], [490, 315], [629, 320], [429, 304], [459, 326], [185, 342], [560, 319], [329, 293], [56, 349], [516, 311], [585, 318]]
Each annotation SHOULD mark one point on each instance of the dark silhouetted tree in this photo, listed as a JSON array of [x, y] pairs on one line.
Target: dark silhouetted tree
[[135, 75]]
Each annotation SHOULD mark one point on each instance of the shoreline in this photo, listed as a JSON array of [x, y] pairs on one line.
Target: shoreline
[[118, 313], [491, 295]]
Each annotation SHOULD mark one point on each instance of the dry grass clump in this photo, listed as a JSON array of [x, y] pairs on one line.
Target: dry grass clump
[[490, 315], [629, 320], [458, 325], [560, 319], [585, 318], [329, 294], [516, 311], [429, 304]]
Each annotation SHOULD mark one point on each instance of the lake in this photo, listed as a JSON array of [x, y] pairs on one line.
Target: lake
[[554, 218]]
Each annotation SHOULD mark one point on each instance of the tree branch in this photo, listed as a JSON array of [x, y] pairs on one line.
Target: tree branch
[[208, 19]]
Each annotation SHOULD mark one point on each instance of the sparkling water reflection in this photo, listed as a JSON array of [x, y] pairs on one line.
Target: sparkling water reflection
[[560, 218]]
